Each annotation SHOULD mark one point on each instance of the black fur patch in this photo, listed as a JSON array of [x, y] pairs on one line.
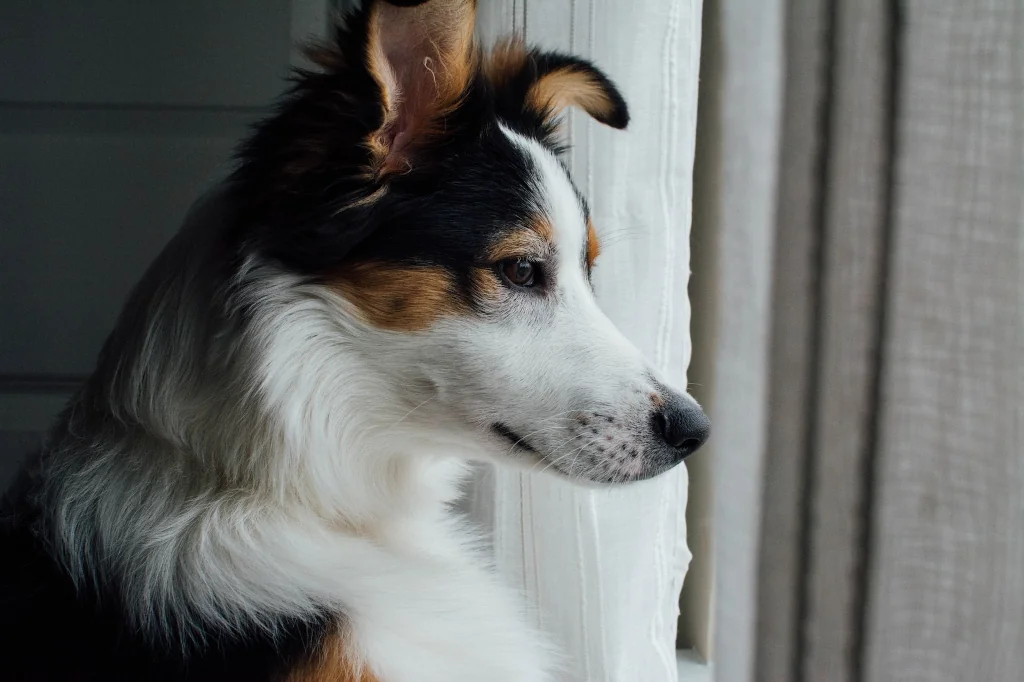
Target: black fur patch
[[308, 199]]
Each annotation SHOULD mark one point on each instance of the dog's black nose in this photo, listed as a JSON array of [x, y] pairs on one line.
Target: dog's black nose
[[682, 425]]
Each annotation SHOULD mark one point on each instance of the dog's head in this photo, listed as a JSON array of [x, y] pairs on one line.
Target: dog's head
[[418, 180]]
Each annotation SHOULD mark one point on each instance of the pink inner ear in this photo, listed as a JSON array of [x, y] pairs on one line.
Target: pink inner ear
[[426, 50], [415, 60], [398, 144]]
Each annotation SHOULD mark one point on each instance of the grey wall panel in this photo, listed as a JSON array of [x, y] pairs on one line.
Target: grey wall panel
[[15, 447], [26, 413], [182, 53], [84, 207], [114, 115]]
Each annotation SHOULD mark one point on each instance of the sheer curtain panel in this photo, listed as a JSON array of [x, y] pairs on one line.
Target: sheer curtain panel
[[602, 569]]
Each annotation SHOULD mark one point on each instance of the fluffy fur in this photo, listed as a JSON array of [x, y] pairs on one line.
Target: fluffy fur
[[255, 482]]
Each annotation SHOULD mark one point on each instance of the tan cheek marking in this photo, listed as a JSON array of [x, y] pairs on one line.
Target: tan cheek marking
[[335, 662], [400, 298], [593, 244], [567, 86], [486, 284], [488, 292]]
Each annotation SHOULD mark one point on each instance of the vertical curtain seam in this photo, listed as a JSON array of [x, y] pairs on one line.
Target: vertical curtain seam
[[589, 134], [805, 538], [873, 437], [665, 309], [592, 19], [570, 117], [581, 571], [662, 352]]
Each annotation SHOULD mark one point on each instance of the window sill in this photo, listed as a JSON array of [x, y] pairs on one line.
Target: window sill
[[693, 668]]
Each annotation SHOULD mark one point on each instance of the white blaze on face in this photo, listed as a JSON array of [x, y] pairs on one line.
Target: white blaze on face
[[546, 367], [558, 374]]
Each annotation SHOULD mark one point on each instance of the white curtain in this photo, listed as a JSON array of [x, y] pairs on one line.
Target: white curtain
[[602, 570]]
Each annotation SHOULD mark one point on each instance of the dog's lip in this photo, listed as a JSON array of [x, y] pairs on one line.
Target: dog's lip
[[518, 442], [508, 434]]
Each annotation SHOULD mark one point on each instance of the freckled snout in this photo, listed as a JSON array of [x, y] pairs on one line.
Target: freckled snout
[[680, 423]]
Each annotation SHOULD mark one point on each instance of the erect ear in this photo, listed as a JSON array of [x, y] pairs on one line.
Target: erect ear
[[422, 55], [546, 83], [385, 81]]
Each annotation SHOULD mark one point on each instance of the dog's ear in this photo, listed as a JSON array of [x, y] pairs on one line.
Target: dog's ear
[[312, 175], [422, 55], [533, 82]]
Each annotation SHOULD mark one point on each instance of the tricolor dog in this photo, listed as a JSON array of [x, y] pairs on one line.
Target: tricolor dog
[[256, 481]]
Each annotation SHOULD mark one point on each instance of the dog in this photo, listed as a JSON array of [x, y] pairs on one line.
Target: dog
[[256, 481]]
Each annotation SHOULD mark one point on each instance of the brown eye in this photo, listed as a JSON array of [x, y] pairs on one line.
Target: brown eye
[[519, 272]]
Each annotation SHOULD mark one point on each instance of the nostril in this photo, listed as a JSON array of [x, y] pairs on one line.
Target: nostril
[[663, 425], [670, 427], [681, 425], [691, 445]]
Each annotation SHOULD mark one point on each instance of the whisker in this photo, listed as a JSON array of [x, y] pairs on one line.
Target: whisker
[[572, 464], [546, 428], [532, 433], [575, 452], [557, 459]]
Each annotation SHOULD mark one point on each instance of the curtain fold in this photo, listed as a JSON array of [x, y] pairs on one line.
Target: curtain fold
[[737, 178]]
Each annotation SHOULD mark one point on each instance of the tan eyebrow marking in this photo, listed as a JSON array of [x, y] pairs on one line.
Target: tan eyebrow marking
[[535, 239]]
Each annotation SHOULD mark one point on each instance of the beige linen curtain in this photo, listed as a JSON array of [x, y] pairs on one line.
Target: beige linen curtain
[[861, 192]]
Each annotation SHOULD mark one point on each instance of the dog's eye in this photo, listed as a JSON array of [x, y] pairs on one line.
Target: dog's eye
[[519, 272]]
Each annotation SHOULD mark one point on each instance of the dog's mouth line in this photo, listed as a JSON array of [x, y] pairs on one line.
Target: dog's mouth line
[[514, 438], [518, 442]]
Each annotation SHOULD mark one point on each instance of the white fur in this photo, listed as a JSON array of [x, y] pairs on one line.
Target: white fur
[[232, 468]]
